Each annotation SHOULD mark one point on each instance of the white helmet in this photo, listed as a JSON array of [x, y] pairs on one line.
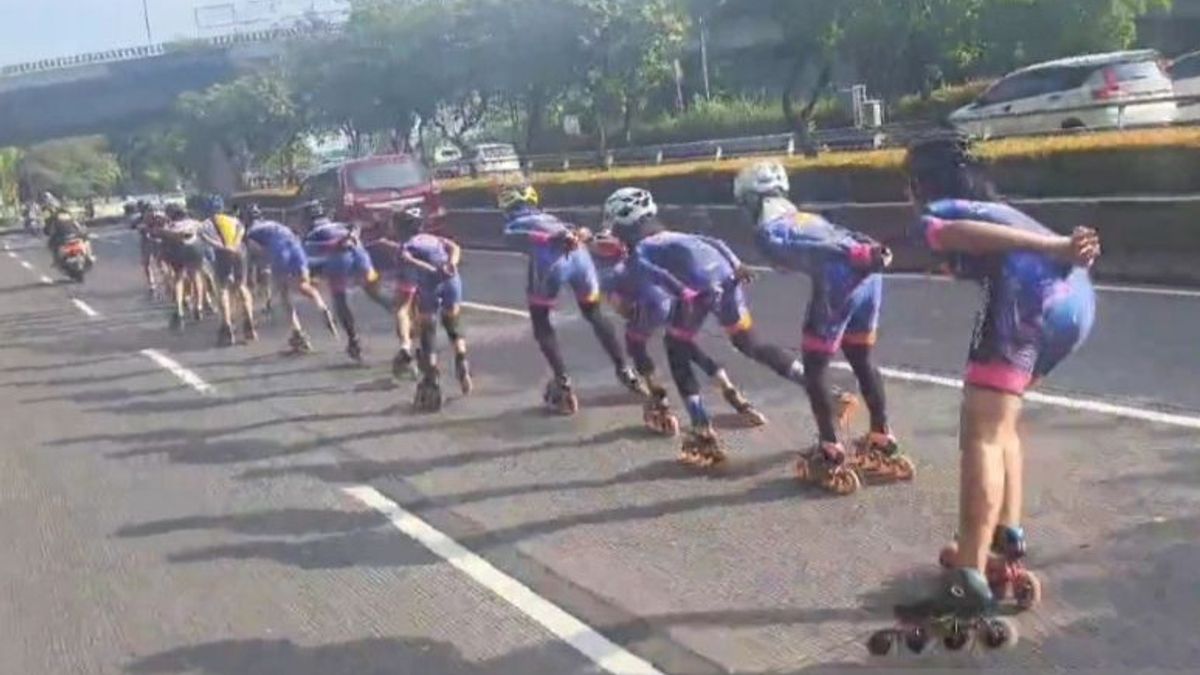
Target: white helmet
[[758, 180], [627, 207]]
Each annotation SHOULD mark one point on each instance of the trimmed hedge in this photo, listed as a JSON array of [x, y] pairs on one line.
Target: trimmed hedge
[[1160, 161]]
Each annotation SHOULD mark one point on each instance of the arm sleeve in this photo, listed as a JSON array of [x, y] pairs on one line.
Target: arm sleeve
[[524, 235], [723, 249]]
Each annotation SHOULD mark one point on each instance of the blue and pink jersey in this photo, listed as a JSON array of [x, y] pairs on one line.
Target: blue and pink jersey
[[847, 289], [551, 265], [1037, 310], [283, 248]]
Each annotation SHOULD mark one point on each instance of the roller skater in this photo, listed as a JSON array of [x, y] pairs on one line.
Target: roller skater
[[225, 236], [289, 269], [183, 251], [704, 277], [843, 314], [646, 308], [383, 242], [557, 257], [432, 288], [1039, 308], [1006, 573], [334, 249], [964, 611]]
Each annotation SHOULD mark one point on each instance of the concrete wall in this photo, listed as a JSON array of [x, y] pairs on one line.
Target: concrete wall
[[1144, 241]]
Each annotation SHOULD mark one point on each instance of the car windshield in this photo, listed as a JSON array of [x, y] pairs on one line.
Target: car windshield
[[397, 175]]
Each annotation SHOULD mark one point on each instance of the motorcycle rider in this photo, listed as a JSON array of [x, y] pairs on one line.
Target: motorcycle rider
[[61, 228]]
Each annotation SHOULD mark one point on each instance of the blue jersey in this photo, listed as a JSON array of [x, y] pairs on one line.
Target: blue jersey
[[271, 235], [534, 232], [678, 261], [428, 248]]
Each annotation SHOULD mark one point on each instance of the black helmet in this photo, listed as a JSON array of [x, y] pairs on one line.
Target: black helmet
[[313, 211], [409, 221], [250, 213], [176, 212], [130, 208], [945, 167]]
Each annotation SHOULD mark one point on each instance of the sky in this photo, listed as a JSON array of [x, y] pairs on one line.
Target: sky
[[36, 29]]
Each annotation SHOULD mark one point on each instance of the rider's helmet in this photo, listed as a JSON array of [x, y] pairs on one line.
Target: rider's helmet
[[313, 211], [515, 196], [409, 222], [211, 205], [759, 181], [630, 213], [945, 167], [250, 213], [176, 212]]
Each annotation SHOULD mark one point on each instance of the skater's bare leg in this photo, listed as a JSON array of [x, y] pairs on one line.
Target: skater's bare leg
[[1014, 480], [289, 306], [451, 323], [988, 420], [404, 322], [427, 337]]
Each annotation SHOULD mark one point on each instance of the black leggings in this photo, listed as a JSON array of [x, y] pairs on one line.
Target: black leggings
[[772, 356], [820, 394], [547, 338]]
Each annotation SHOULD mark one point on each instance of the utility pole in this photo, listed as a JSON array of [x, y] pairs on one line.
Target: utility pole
[[704, 58], [146, 17]]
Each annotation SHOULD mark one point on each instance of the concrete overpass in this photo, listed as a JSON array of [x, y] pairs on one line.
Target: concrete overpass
[[101, 92]]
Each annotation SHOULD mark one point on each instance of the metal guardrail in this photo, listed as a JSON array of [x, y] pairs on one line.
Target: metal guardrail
[[828, 140], [151, 51]]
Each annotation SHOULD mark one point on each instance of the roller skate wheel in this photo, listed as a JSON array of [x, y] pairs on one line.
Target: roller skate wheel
[[999, 633], [803, 470], [754, 418], [1027, 590], [998, 577], [687, 458], [881, 642], [902, 468], [948, 557], [672, 426], [916, 639], [844, 482], [956, 638]]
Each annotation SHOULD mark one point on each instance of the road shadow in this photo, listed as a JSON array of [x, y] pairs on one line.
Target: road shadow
[[370, 656], [284, 522]]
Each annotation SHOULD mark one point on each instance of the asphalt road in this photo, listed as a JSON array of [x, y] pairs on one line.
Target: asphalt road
[[235, 511]]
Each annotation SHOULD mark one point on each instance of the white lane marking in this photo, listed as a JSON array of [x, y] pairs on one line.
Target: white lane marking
[[188, 377], [916, 276], [85, 308], [495, 309], [601, 651], [46, 280], [12, 254], [1089, 405], [26, 265]]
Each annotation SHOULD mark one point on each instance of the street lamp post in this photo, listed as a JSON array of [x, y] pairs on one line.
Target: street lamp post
[[146, 17]]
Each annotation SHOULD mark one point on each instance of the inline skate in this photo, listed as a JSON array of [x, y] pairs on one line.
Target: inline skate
[[299, 343], [745, 410], [225, 336], [560, 398], [878, 455], [1007, 575], [404, 365], [176, 322], [827, 466], [701, 447], [630, 380], [964, 611], [462, 370], [429, 392], [354, 350], [656, 413]]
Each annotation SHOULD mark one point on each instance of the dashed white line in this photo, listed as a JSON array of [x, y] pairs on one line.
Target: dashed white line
[[607, 655], [1089, 405], [46, 280], [26, 265], [12, 254], [188, 377], [85, 308]]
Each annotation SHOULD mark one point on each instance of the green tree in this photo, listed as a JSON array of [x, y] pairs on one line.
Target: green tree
[[10, 176], [151, 159], [74, 168]]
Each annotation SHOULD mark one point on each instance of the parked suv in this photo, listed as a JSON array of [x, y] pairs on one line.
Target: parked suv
[[1098, 91], [1185, 73], [360, 190]]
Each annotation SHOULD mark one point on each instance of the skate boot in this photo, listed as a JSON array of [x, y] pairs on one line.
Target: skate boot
[[225, 336], [462, 370], [249, 332], [404, 365], [330, 324], [656, 413], [630, 380], [299, 343], [745, 410], [701, 447], [878, 455], [354, 350], [826, 465], [176, 322], [198, 313], [429, 392], [1007, 575], [963, 611], [560, 398]]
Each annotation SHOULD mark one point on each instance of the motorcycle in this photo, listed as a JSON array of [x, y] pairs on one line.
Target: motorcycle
[[72, 259]]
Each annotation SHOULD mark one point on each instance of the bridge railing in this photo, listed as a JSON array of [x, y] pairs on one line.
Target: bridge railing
[[150, 51]]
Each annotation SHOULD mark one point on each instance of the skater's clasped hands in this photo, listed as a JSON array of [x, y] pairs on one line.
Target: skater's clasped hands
[[1082, 248]]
